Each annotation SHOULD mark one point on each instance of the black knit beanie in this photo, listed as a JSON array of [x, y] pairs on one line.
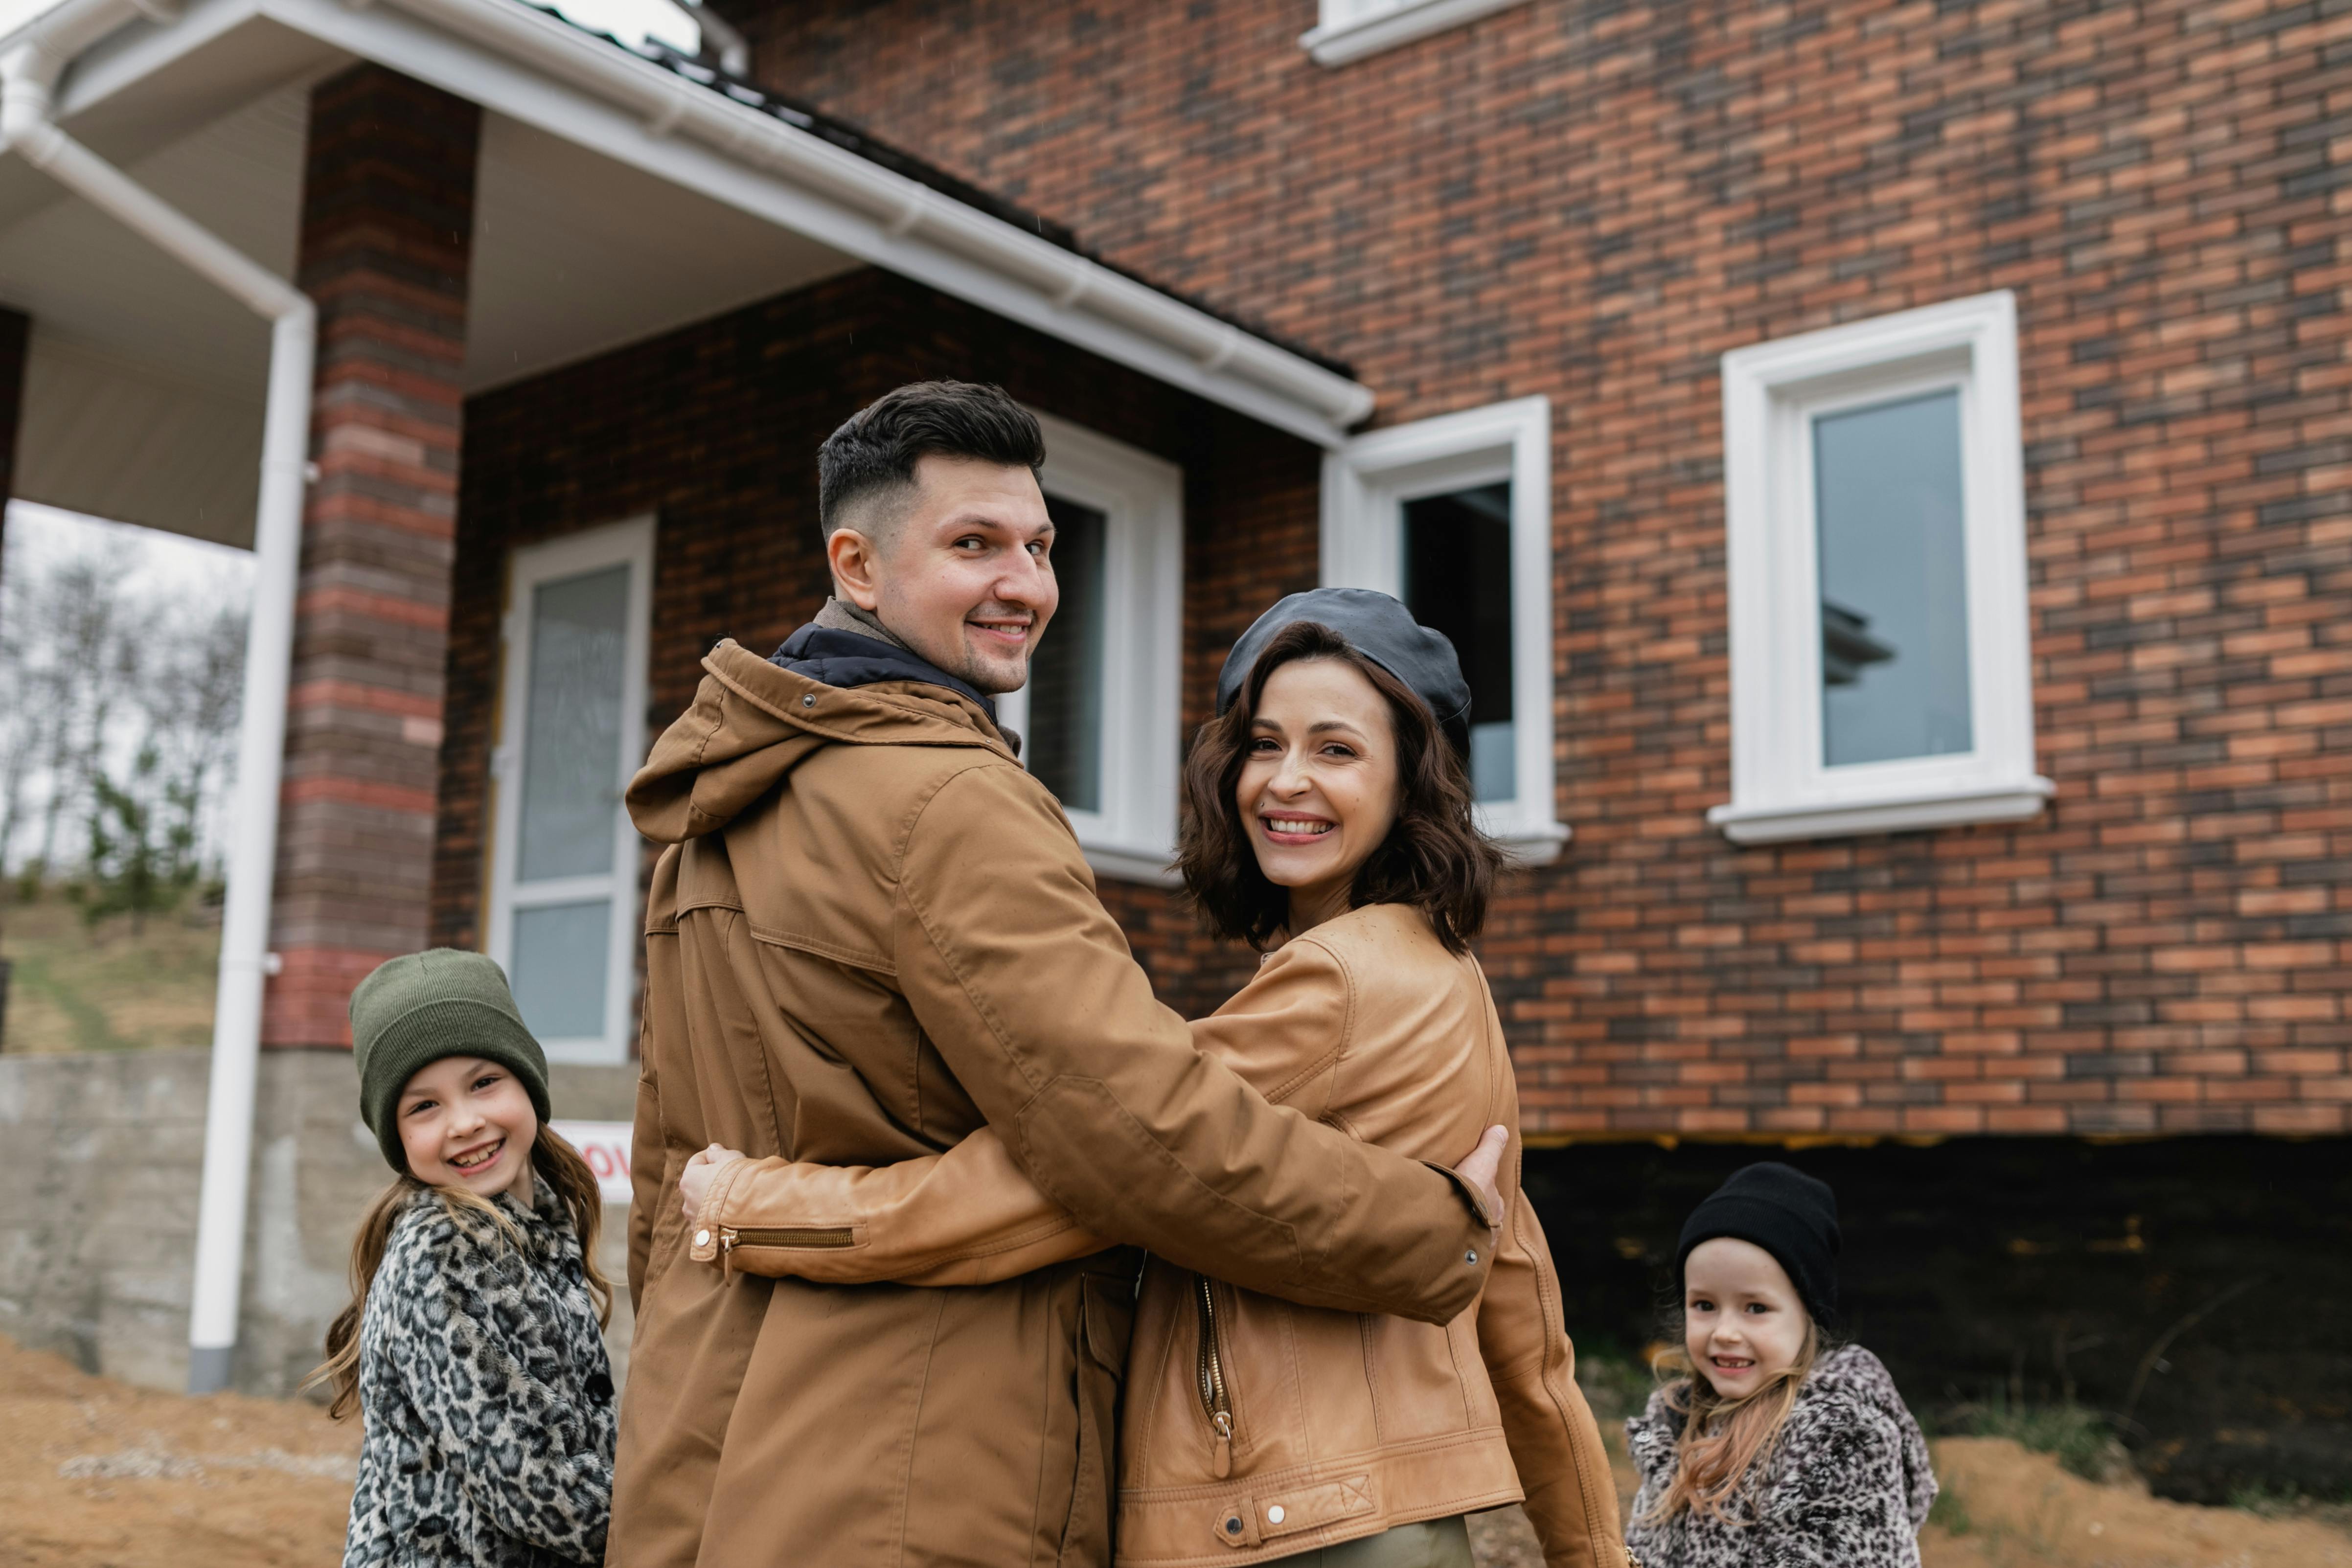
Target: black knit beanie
[[1788, 1214], [421, 1007]]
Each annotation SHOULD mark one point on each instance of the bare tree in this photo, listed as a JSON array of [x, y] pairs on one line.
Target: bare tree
[[116, 705], [77, 621]]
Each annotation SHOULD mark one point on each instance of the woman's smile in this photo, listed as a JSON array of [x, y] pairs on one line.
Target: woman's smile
[[1295, 829]]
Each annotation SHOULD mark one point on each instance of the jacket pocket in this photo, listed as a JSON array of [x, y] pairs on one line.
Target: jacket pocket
[[1098, 1370]]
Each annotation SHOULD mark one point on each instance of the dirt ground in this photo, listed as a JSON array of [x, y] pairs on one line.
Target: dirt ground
[[94, 1474]]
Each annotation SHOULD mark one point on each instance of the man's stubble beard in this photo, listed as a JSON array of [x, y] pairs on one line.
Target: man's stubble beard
[[967, 665]]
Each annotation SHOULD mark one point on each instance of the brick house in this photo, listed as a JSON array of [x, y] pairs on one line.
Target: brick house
[[1888, 467]]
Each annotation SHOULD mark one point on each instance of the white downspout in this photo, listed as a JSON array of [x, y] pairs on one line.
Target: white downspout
[[27, 73]]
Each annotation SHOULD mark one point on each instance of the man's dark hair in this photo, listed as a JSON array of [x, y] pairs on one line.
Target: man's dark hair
[[1435, 858], [875, 451]]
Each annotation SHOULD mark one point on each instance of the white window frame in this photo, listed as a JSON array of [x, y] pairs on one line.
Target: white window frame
[[1141, 498], [1780, 788], [1351, 29], [630, 543], [1366, 485]]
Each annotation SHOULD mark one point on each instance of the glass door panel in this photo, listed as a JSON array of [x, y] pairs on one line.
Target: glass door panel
[[571, 756]]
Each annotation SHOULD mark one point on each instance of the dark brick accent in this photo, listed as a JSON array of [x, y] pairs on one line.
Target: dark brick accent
[[1594, 203], [16, 338], [387, 228]]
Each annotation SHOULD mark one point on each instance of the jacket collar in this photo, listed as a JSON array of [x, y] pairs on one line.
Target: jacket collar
[[839, 649], [754, 720]]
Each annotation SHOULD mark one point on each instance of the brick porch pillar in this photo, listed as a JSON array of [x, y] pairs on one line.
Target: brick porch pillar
[[387, 231]]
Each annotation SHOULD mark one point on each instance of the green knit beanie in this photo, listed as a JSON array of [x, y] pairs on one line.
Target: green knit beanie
[[421, 1007]]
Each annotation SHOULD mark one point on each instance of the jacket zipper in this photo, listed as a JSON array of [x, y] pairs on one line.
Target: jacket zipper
[[1216, 1399], [730, 1237]]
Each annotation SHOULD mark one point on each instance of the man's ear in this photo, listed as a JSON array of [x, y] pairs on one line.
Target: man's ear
[[855, 561]]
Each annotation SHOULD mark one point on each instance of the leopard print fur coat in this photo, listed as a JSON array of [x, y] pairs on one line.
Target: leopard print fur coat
[[487, 1395], [1847, 1486]]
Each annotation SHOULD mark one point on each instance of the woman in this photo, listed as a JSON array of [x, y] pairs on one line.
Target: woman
[[1329, 824]]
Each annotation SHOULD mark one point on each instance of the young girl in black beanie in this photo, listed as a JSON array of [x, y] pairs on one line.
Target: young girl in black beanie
[[473, 1344], [1776, 1447]]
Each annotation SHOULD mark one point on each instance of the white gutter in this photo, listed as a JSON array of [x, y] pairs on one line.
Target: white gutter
[[28, 72], [668, 104]]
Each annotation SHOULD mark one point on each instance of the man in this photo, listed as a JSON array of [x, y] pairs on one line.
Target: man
[[872, 934]]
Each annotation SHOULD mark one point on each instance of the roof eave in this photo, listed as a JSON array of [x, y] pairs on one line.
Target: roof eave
[[535, 68]]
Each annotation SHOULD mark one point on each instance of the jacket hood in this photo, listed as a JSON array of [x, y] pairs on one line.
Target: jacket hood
[[1852, 1376], [753, 722]]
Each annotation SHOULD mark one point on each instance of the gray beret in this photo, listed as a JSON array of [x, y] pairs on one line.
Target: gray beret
[[1380, 628]]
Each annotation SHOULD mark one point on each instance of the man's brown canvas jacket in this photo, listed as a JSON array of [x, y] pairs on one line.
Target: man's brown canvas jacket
[[872, 934]]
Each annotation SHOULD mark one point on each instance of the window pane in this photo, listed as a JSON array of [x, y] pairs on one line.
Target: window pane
[[561, 954], [1064, 745], [1895, 614], [571, 728], [1458, 580]]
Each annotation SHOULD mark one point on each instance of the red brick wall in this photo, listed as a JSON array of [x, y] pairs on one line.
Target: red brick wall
[[715, 429], [387, 236], [1594, 202]]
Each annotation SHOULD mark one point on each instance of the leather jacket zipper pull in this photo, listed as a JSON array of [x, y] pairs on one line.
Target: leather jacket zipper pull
[[1225, 1450]]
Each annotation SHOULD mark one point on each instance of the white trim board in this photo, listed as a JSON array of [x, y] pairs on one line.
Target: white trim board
[[1365, 486], [1352, 29], [1141, 497], [1781, 788]]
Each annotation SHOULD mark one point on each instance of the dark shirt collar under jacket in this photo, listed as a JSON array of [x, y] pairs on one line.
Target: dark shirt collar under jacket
[[842, 650]]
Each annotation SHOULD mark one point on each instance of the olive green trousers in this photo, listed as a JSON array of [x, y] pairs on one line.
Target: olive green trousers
[[1434, 1544]]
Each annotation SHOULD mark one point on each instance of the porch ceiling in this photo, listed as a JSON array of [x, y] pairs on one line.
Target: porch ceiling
[[145, 387]]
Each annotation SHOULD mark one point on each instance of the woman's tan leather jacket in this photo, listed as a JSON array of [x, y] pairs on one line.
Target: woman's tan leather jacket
[[1253, 1428]]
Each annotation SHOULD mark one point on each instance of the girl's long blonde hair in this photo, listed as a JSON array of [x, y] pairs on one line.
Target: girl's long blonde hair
[[553, 1160], [1723, 1439]]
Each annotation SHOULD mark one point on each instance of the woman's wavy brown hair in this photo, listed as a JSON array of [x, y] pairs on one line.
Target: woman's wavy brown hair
[[1435, 858], [552, 1161]]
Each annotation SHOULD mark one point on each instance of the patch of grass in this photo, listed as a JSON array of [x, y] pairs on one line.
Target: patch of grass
[[2079, 1438], [2284, 1500], [76, 986], [1951, 1509], [1616, 1386]]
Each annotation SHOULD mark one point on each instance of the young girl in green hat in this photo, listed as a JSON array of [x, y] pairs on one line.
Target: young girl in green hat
[[473, 1345]]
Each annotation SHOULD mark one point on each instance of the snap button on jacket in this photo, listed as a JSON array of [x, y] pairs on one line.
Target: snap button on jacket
[[871, 936]]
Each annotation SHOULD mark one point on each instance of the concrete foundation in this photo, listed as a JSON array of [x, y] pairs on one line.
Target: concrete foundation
[[98, 1159]]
